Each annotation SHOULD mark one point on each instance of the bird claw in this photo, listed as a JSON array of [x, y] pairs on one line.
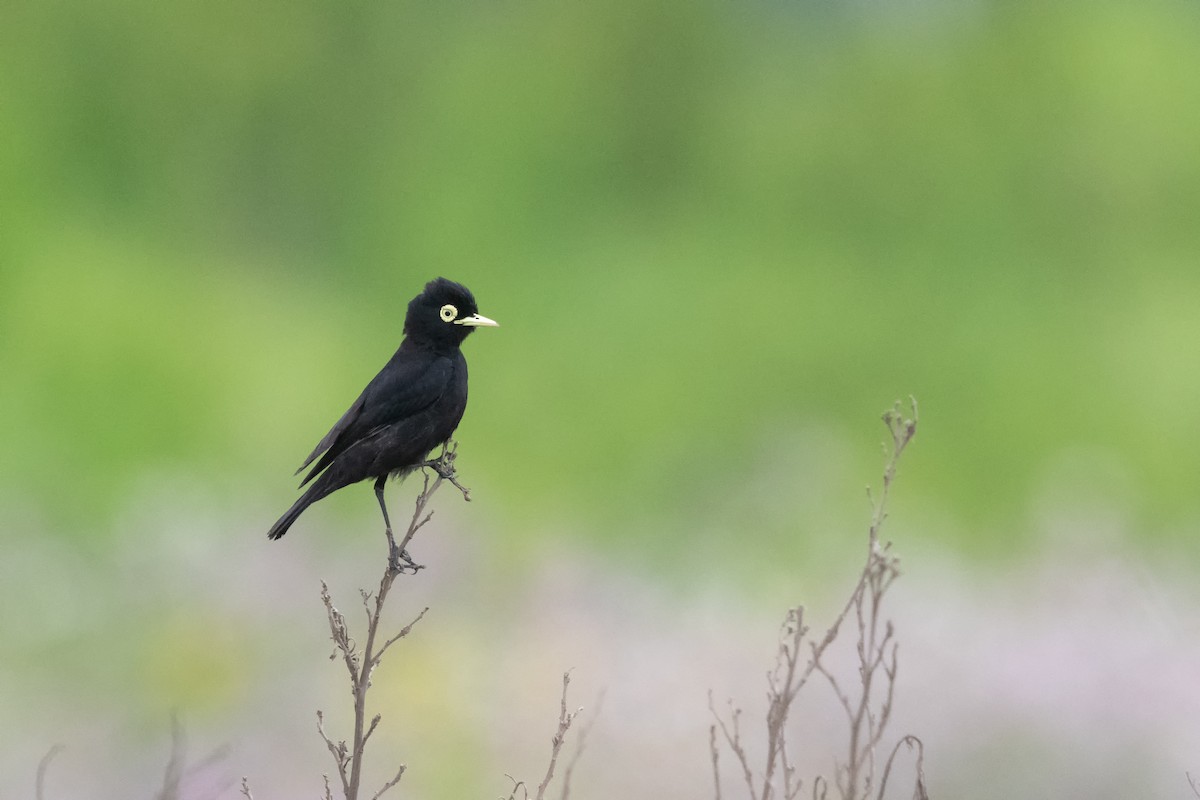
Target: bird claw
[[399, 561], [443, 465]]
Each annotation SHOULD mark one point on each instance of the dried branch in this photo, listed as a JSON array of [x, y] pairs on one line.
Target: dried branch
[[564, 724], [580, 744], [391, 783], [348, 758], [246, 793], [403, 632], [341, 637], [783, 683], [565, 718], [734, 740], [178, 772], [919, 792], [877, 651], [338, 751], [715, 752], [868, 706], [44, 765], [516, 785], [173, 775], [370, 730]]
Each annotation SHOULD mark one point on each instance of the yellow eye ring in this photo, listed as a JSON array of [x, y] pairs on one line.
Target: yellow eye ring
[[448, 313]]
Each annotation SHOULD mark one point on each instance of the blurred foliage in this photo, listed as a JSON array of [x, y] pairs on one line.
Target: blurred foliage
[[712, 233]]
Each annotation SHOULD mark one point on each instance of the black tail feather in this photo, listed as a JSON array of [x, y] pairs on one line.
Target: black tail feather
[[314, 493]]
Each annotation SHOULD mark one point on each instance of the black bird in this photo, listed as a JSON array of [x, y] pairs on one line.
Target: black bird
[[412, 406]]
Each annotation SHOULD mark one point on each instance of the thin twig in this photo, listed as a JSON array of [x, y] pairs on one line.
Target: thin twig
[[868, 708], [565, 719], [715, 753], [338, 752], [783, 683], [734, 740], [44, 765], [517, 785], [341, 637], [361, 664], [391, 783], [580, 744], [912, 742], [403, 632], [246, 793], [374, 723], [173, 774]]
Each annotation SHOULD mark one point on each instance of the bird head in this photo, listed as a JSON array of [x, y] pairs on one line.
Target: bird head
[[443, 314]]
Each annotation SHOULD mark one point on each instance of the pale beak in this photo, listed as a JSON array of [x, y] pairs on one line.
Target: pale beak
[[476, 321]]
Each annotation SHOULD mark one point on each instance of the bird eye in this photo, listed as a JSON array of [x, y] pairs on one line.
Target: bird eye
[[448, 312]]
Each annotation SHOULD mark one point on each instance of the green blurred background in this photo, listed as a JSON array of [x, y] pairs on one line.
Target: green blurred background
[[720, 239]]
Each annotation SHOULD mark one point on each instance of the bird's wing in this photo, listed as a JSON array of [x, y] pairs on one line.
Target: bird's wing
[[406, 385], [336, 431]]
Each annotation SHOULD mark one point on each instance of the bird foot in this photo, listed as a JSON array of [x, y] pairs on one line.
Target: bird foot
[[443, 465], [399, 561]]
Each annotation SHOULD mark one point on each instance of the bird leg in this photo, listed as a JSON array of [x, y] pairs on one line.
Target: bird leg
[[398, 560]]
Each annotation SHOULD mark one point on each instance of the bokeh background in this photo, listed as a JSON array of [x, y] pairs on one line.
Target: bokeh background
[[720, 239]]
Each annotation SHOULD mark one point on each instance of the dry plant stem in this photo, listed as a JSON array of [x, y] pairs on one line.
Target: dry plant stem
[[516, 785], [43, 765], [391, 783], [246, 793], [876, 649], [913, 742], [715, 753], [580, 744], [178, 771], [733, 737], [361, 664], [783, 683], [1192, 782], [565, 719], [902, 430], [173, 775]]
